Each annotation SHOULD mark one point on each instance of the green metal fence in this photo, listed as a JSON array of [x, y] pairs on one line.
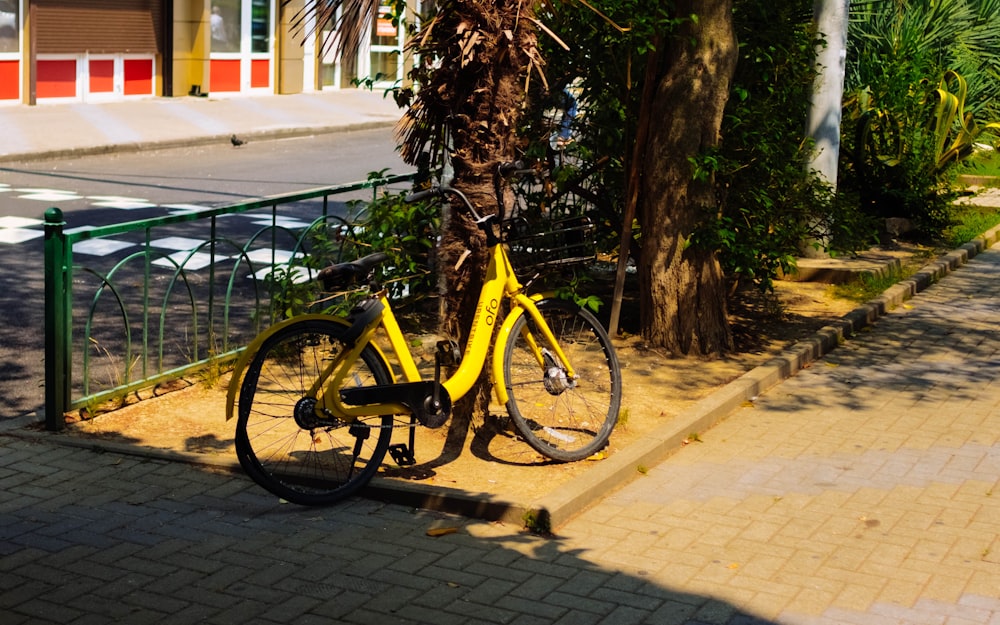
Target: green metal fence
[[139, 314]]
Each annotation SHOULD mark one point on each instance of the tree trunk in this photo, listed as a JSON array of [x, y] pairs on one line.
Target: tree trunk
[[683, 294], [486, 92]]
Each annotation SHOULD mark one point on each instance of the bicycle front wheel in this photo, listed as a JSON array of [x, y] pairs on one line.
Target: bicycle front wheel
[[280, 441], [562, 418]]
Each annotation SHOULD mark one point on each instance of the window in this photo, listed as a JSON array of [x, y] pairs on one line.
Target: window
[[225, 23], [260, 24], [9, 25], [228, 26], [386, 48], [241, 33]]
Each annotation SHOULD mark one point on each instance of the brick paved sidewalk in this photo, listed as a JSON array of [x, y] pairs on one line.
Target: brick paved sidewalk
[[862, 491], [102, 538]]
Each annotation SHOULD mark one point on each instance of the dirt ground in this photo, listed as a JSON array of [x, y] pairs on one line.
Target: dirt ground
[[486, 457]]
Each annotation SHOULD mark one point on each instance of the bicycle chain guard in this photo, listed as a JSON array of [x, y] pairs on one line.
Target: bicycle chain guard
[[418, 397]]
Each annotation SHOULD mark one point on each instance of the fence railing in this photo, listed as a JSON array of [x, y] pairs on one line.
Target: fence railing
[[160, 298]]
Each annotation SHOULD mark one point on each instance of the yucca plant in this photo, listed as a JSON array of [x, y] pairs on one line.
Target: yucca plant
[[956, 131], [919, 75]]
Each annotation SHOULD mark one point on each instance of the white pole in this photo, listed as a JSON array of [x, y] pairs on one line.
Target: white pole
[[823, 123]]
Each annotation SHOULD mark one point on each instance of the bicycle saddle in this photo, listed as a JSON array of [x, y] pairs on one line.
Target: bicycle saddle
[[340, 275]]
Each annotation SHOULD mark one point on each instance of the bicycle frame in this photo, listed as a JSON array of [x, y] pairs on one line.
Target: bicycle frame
[[500, 283]]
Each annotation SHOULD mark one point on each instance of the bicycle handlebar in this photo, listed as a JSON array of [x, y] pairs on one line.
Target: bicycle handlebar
[[506, 169], [441, 191], [513, 169], [416, 196]]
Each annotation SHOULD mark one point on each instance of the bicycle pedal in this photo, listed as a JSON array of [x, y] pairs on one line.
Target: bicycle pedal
[[402, 455]]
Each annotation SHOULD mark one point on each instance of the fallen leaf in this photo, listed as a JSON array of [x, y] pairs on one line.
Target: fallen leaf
[[441, 531]]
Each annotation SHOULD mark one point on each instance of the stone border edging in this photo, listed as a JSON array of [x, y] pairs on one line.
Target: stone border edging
[[554, 509], [576, 495]]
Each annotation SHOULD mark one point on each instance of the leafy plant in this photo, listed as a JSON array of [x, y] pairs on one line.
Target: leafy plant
[[574, 288], [293, 292], [537, 521], [599, 58], [955, 130], [407, 232], [919, 74], [291, 296], [768, 200]]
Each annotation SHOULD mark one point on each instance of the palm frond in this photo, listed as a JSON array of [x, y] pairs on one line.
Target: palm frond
[[343, 21]]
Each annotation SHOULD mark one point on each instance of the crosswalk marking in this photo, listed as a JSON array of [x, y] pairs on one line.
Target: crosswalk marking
[[14, 230]]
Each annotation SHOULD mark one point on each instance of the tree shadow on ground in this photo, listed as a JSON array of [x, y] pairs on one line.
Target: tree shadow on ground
[[217, 549]]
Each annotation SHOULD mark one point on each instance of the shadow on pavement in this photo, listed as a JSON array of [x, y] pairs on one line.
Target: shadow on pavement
[[119, 539]]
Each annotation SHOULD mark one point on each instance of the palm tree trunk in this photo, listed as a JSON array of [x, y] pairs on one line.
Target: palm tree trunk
[[476, 93]]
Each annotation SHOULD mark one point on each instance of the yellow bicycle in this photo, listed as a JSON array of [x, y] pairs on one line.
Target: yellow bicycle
[[316, 399]]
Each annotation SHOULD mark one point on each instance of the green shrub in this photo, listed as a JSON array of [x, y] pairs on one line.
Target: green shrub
[[919, 75], [768, 202], [407, 233]]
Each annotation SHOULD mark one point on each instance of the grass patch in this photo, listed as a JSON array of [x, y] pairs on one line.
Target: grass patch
[[868, 286], [969, 222], [982, 163]]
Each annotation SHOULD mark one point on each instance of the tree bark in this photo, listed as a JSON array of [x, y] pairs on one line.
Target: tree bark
[[485, 93], [683, 293]]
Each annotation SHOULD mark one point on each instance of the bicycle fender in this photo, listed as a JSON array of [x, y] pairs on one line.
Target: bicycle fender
[[499, 387], [236, 381]]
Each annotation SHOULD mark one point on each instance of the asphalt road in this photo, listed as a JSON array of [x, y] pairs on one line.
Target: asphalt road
[[106, 189], [208, 175]]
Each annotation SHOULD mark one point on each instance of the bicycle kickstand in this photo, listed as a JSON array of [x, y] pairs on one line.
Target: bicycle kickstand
[[403, 454]]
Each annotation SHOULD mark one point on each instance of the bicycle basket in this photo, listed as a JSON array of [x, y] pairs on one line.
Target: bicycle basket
[[546, 245]]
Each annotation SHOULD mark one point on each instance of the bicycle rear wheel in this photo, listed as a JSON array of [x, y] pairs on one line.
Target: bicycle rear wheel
[[281, 443], [561, 418]]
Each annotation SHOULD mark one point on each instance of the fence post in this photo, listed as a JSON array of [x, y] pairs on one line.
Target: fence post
[[58, 339]]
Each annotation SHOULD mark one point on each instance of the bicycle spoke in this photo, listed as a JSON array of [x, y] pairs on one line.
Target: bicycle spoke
[[562, 418], [281, 441]]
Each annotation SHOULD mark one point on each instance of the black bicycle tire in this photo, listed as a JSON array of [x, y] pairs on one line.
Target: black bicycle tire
[[526, 389], [312, 493]]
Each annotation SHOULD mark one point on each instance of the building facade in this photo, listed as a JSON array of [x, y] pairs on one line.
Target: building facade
[[100, 50]]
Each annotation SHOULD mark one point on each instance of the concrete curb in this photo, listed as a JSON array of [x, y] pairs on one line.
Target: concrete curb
[[575, 496], [166, 144], [556, 508]]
